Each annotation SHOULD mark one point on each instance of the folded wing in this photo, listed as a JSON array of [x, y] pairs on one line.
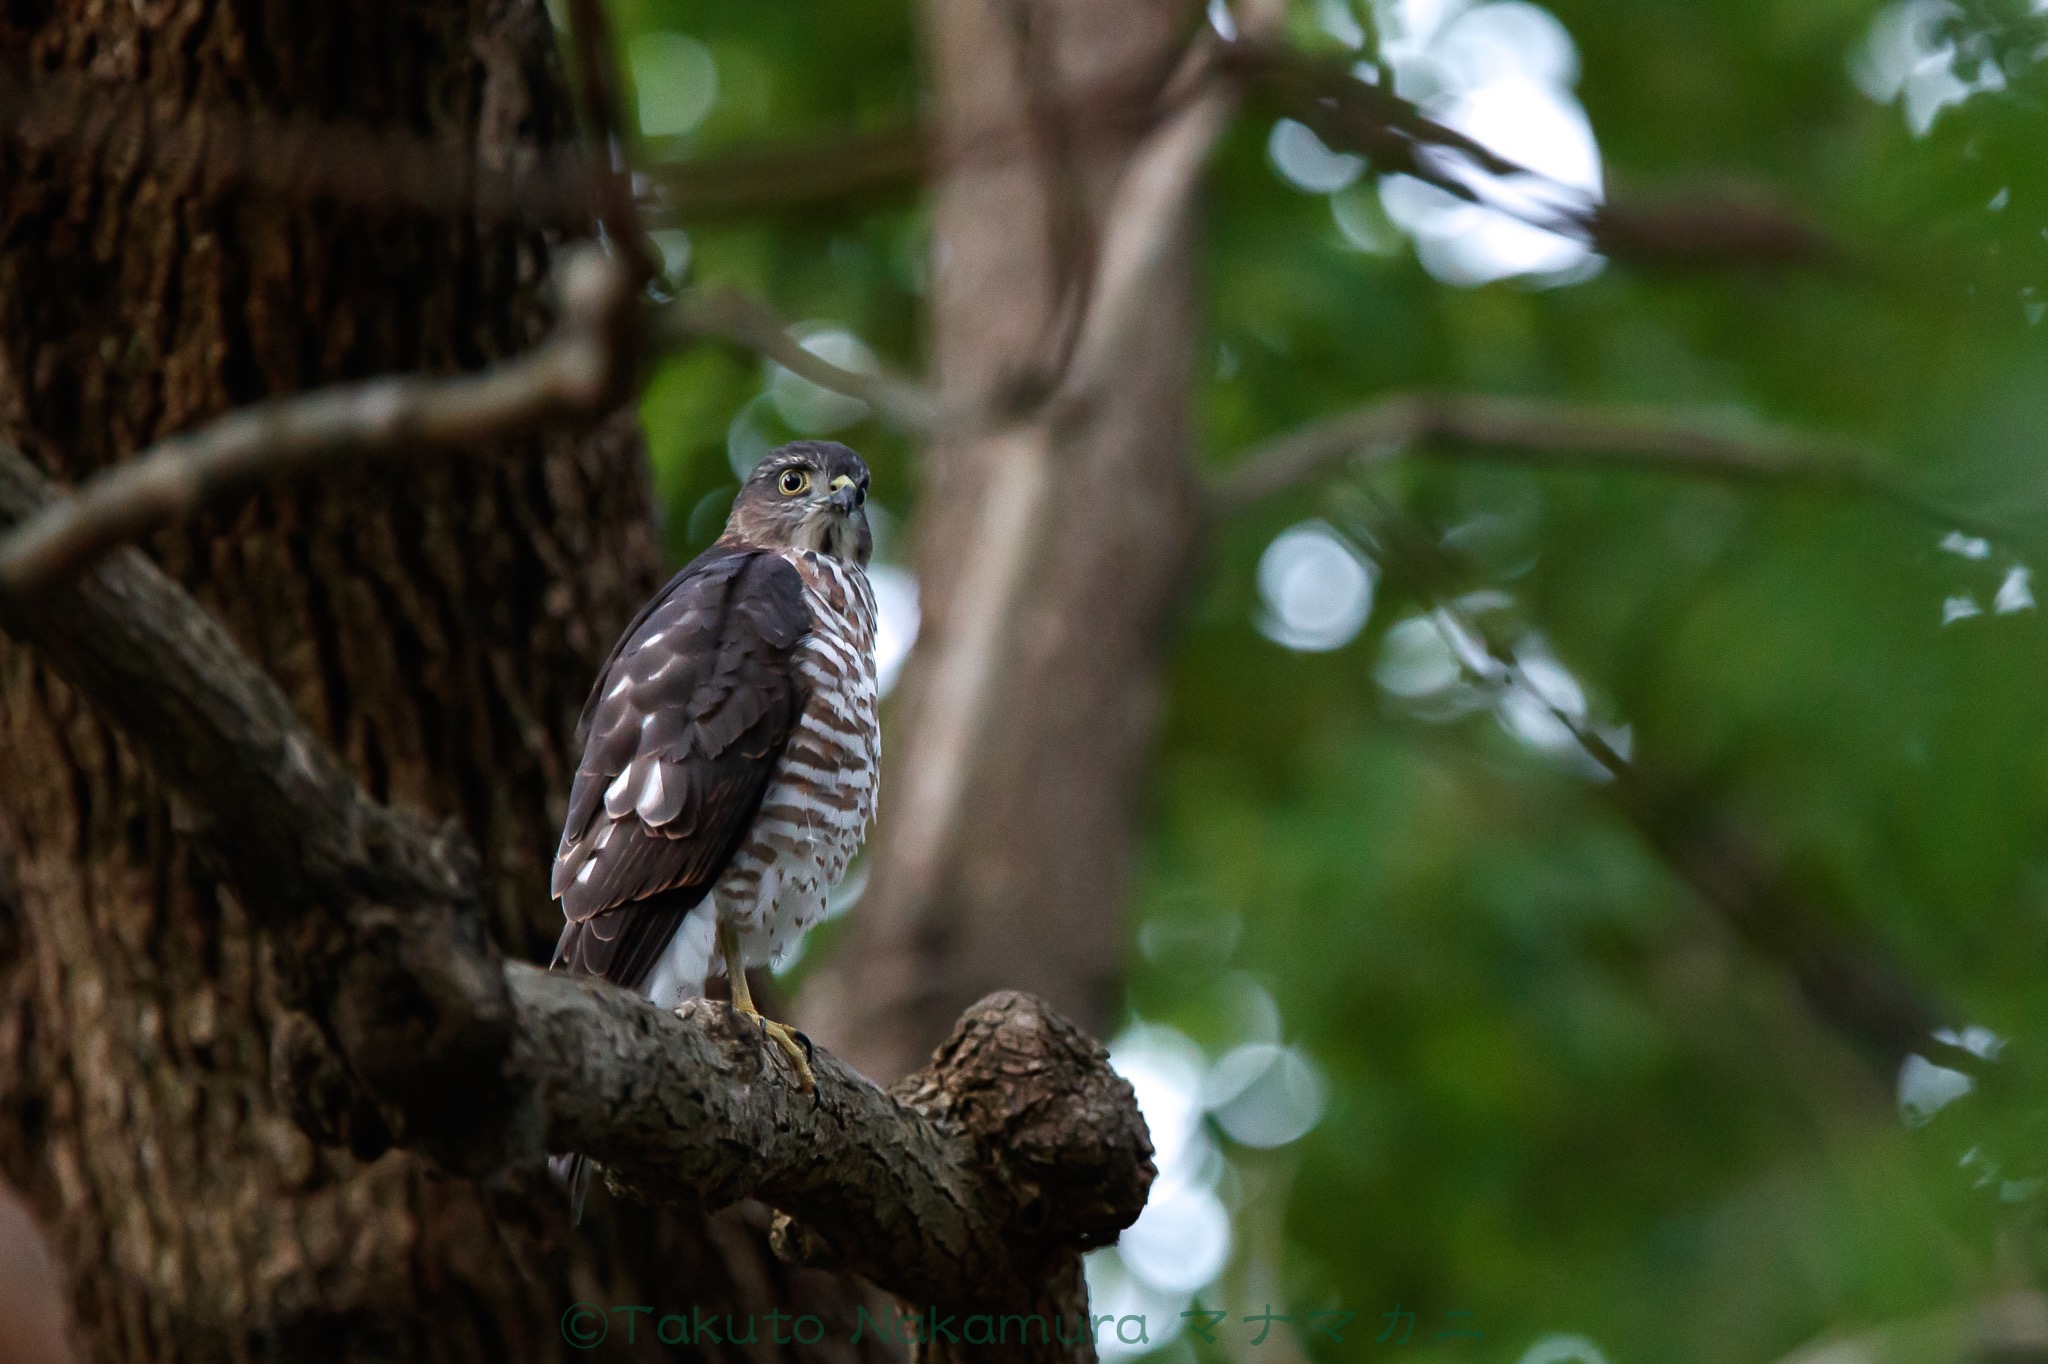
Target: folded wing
[[685, 728]]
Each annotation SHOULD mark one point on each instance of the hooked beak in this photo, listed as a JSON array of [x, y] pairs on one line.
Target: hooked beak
[[847, 495]]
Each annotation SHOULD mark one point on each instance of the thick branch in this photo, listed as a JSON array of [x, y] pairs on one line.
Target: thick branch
[[1545, 431], [976, 1186], [370, 910], [1017, 1145], [579, 370], [216, 727]]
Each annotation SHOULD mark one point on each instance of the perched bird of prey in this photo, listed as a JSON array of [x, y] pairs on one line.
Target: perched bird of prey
[[730, 768]]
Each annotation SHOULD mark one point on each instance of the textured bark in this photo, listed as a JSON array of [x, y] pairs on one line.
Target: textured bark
[[1026, 889], [437, 626], [972, 1186]]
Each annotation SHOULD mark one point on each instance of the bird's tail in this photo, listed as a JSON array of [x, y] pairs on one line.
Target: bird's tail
[[573, 1172], [677, 974]]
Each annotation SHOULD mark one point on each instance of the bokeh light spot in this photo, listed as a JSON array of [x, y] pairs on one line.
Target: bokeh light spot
[[676, 79], [1317, 590]]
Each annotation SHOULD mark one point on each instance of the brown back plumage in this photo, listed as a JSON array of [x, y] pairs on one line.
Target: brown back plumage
[[685, 728]]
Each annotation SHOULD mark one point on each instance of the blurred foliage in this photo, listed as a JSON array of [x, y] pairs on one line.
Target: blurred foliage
[[1562, 1097]]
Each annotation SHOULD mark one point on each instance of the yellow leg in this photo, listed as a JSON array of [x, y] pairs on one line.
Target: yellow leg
[[781, 1034]]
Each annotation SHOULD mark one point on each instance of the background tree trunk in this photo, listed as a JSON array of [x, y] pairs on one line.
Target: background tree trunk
[[440, 626], [1025, 888]]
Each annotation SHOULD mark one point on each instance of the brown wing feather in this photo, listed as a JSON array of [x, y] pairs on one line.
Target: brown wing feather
[[685, 727]]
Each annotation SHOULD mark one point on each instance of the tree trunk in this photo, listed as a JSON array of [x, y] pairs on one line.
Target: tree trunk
[[440, 625], [1003, 852]]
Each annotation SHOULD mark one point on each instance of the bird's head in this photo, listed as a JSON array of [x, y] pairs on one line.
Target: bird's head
[[810, 494]]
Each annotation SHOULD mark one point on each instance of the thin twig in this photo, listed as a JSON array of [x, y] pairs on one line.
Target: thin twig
[[1566, 434], [1855, 988], [731, 314], [759, 180], [2009, 1328], [598, 87], [1147, 211], [579, 370], [1352, 115]]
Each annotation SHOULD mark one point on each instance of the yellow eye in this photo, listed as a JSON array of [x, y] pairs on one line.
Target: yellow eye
[[793, 481]]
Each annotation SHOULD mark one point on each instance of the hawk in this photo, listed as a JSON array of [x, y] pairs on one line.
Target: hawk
[[729, 769]]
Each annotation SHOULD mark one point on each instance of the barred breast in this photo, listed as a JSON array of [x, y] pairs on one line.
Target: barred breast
[[822, 797]]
